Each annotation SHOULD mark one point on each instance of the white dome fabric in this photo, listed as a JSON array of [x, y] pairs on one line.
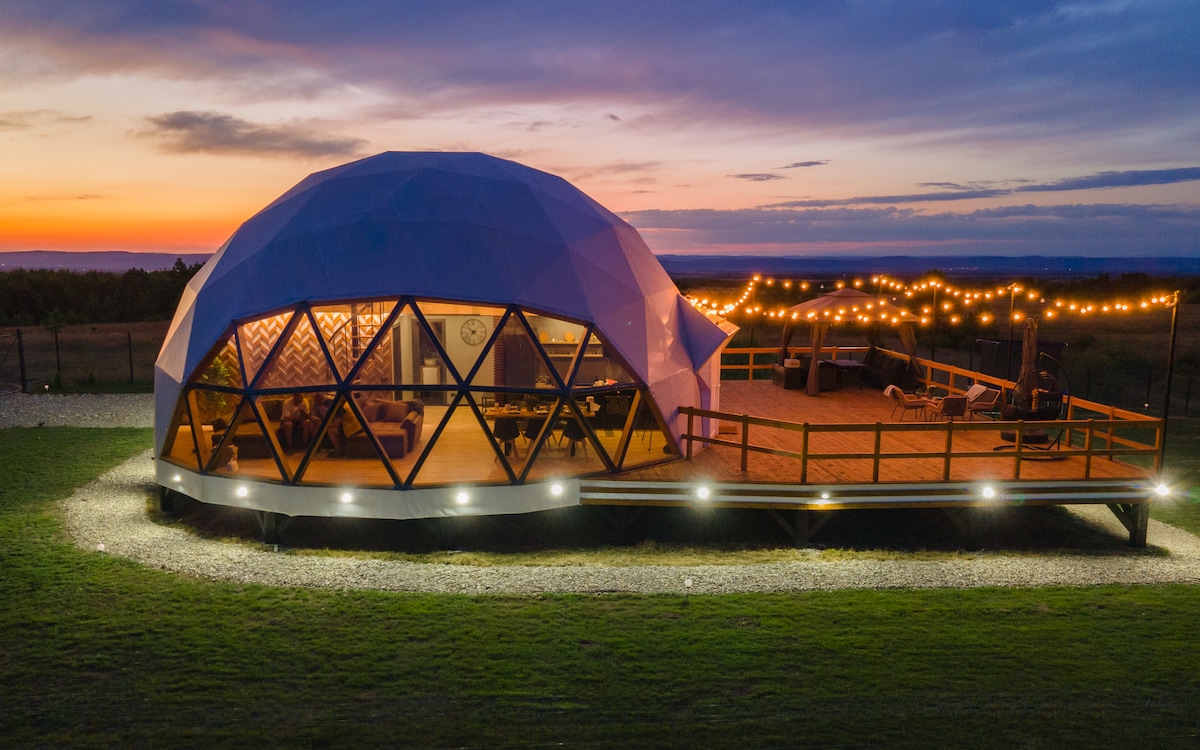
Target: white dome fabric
[[446, 226]]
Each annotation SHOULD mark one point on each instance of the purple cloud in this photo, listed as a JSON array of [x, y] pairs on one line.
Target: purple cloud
[[217, 133], [801, 164], [758, 177]]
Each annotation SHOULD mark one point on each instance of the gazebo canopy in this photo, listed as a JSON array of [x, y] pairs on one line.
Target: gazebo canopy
[[843, 305]]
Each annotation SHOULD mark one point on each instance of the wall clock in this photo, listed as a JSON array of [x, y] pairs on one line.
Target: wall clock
[[473, 331]]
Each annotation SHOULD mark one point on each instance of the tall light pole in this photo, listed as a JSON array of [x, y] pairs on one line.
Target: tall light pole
[[933, 325], [1012, 302], [1162, 445]]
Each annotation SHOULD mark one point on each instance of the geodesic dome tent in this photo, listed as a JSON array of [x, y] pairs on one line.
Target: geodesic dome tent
[[465, 330]]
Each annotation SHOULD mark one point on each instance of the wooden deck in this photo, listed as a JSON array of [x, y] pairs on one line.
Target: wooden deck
[[842, 423], [782, 450]]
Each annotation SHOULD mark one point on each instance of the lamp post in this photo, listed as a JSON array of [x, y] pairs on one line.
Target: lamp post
[[1162, 445], [1012, 302], [933, 325]]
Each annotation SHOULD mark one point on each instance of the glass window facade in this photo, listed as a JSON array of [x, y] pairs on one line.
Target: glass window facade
[[406, 393]]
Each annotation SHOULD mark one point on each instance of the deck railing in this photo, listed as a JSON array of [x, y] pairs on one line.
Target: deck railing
[[1090, 430], [1099, 441]]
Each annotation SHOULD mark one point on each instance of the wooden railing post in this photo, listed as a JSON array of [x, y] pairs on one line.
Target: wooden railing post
[[745, 441], [1019, 446], [949, 448], [804, 453], [1112, 414], [1159, 435], [1087, 449], [878, 443], [690, 414]]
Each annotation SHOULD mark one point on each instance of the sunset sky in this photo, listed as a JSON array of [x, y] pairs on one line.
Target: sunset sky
[[917, 127]]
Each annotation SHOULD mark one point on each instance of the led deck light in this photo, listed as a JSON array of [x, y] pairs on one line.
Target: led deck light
[[556, 489], [1162, 490], [346, 497], [242, 491], [703, 493], [989, 492], [462, 498]]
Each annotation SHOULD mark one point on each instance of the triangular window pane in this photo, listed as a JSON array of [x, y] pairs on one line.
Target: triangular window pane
[[567, 450], [244, 450], [300, 361], [516, 361], [223, 368], [647, 440], [211, 407], [432, 371], [517, 421], [610, 416], [560, 339], [399, 359], [256, 339], [348, 331], [601, 366], [344, 451], [180, 446], [462, 452]]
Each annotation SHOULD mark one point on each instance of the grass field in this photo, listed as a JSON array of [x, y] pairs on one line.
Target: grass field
[[101, 652]]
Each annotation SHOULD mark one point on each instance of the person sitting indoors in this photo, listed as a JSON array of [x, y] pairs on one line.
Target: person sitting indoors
[[342, 426], [320, 407], [293, 418]]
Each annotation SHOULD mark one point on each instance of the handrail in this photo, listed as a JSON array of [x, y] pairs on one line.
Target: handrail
[[1096, 432]]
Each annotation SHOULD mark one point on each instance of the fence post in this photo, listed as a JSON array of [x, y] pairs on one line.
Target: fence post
[[21, 360], [129, 338]]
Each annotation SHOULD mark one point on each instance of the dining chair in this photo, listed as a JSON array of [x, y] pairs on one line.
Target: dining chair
[[506, 432]]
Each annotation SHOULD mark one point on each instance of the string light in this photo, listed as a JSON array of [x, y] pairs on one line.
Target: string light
[[958, 303]]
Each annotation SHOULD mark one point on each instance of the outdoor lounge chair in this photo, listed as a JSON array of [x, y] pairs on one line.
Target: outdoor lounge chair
[[949, 407], [905, 401], [981, 399]]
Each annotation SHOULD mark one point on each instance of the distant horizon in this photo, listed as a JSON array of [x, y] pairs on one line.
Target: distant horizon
[[683, 264]]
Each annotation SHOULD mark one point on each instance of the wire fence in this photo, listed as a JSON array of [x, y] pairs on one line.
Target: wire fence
[[105, 357], [12, 363]]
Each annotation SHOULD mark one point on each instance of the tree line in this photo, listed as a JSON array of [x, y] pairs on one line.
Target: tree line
[[54, 298]]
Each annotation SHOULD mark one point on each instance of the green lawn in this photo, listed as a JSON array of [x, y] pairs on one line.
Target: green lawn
[[101, 652]]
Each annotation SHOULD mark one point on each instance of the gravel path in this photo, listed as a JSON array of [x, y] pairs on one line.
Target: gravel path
[[77, 410], [112, 512]]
